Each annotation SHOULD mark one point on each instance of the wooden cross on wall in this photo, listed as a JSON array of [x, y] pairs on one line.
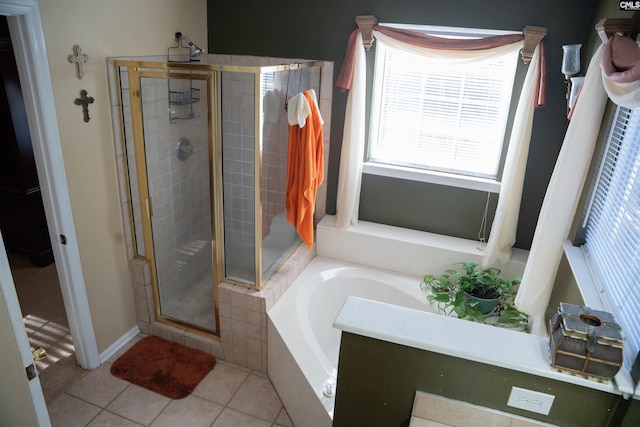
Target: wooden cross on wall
[[79, 58], [84, 100]]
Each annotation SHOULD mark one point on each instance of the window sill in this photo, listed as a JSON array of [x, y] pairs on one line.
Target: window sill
[[592, 297], [440, 178]]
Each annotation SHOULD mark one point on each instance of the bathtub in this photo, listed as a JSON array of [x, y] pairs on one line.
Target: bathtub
[[304, 345], [374, 262]]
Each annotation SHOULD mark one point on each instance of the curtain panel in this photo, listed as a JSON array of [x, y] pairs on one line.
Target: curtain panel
[[563, 193], [352, 153], [352, 78]]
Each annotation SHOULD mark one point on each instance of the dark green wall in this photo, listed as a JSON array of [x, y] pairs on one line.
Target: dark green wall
[[377, 382], [318, 29], [455, 211], [632, 418]]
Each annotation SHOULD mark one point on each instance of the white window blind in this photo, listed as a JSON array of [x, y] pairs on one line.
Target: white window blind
[[450, 119], [613, 226]]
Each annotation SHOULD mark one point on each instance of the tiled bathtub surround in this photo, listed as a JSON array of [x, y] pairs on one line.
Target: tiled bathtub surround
[[243, 313]]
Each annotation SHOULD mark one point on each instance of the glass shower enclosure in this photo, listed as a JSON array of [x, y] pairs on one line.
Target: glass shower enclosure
[[206, 148]]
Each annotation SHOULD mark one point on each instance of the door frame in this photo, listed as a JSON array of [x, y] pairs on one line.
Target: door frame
[[25, 27]]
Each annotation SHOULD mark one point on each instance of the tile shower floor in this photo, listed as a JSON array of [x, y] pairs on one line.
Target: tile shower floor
[[229, 396], [195, 305]]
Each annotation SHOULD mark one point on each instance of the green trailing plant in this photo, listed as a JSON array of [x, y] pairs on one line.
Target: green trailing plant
[[454, 293]]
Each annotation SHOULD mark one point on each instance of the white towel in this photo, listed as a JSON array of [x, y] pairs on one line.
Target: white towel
[[299, 109]]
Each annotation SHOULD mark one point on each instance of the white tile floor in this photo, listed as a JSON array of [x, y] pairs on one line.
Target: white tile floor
[[228, 396]]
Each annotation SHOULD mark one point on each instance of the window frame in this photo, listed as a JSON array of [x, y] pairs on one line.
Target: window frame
[[408, 172]]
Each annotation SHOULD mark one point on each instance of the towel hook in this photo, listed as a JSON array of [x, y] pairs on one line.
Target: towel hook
[[300, 79], [286, 94]]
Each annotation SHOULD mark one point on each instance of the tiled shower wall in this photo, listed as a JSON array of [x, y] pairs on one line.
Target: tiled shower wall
[[242, 311], [238, 141], [277, 86], [179, 190]]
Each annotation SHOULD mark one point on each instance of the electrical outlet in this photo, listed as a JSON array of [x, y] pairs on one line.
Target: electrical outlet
[[530, 400]]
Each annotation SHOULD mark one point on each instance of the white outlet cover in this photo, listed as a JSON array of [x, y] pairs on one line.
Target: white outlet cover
[[530, 400]]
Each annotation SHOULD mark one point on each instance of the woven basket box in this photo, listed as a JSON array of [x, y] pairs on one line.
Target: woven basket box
[[585, 342]]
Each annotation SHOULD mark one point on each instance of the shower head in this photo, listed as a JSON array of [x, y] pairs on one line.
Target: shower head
[[195, 50]]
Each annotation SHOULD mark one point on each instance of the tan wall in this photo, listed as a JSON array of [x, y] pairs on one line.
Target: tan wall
[[104, 28]]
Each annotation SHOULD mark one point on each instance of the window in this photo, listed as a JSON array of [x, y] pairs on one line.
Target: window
[[442, 118], [613, 226]]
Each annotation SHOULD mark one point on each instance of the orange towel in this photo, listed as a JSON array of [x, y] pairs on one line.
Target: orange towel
[[305, 171]]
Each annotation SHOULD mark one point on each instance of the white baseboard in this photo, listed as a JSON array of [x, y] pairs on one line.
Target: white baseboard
[[117, 345]]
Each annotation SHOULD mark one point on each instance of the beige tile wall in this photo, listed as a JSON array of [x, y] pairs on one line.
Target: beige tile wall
[[238, 146], [242, 311], [179, 189]]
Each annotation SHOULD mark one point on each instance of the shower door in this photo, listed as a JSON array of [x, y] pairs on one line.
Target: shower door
[[174, 171]]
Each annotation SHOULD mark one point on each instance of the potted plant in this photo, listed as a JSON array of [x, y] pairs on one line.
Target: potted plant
[[480, 295]]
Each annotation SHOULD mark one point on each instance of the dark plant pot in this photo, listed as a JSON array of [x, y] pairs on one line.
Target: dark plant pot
[[483, 305]]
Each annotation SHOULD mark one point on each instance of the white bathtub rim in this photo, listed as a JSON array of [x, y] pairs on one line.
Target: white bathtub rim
[[298, 336], [404, 250], [304, 404], [408, 286], [306, 353]]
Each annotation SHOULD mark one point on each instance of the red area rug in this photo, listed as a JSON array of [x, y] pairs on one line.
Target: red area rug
[[170, 369]]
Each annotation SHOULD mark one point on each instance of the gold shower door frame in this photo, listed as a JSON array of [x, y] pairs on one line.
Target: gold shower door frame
[[215, 178]]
